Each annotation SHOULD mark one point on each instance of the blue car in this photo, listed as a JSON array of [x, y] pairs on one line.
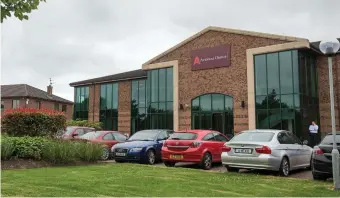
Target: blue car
[[143, 147]]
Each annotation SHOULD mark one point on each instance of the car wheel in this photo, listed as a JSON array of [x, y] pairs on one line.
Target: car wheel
[[231, 169], [151, 157], [206, 161], [106, 154], [284, 167], [169, 164]]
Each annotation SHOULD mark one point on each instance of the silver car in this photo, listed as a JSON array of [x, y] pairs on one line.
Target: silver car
[[275, 150]]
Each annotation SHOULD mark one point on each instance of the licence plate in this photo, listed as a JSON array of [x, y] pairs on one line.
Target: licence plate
[[120, 154], [176, 156], [246, 151]]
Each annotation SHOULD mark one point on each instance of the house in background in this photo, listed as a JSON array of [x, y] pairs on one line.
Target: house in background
[[26, 96]]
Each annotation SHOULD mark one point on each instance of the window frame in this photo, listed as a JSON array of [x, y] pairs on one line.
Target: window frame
[[15, 103], [209, 140], [109, 134]]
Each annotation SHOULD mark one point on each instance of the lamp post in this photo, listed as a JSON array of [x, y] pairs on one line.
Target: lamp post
[[330, 48]]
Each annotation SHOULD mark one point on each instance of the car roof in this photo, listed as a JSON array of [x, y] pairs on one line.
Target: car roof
[[263, 130], [196, 131], [82, 127]]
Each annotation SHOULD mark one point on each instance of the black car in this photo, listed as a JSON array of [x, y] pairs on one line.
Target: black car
[[322, 158]]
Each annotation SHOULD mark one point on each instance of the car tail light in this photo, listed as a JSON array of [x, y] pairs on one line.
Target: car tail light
[[226, 148], [317, 151], [165, 144], [196, 144], [264, 150]]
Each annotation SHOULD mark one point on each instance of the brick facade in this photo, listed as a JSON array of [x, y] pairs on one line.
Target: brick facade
[[227, 80]]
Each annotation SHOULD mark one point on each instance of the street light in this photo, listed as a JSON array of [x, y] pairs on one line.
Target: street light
[[330, 48]]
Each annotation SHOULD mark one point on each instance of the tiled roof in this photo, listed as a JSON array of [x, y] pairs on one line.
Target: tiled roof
[[24, 90], [115, 77]]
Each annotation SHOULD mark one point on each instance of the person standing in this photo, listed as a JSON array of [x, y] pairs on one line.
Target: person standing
[[313, 133]]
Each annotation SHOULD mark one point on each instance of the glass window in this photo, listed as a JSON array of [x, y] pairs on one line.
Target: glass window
[[109, 106], [154, 85], [217, 102], [209, 137], [169, 84], [261, 102], [183, 136], [115, 96], [254, 137], [15, 104], [295, 71], [109, 96], [312, 76], [228, 103], [273, 73], [63, 108], [205, 102], [108, 136], [162, 135], [144, 135], [260, 75], [294, 138], [80, 132], [283, 138], [142, 93], [2, 104], [220, 138], [56, 106], [119, 137], [262, 119], [328, 140], [38, 104], [286, 72], [134, 91], [162, 81], [275, 119], [287, 101], [195, 106]]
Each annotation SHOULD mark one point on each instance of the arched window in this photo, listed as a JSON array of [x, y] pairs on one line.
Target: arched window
[[213, 111]]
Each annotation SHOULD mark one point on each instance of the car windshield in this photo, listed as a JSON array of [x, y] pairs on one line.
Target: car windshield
[[329, 139], [68, 130], [183, 136], [254, 137], [91, 135], [146, 135]]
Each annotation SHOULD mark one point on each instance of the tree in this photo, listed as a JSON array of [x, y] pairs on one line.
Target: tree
[[20, 8]]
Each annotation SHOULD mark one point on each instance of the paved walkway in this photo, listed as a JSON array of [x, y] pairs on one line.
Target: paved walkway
[[302, 174]]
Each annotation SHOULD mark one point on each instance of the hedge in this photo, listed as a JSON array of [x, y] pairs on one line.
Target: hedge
[[49, 150], [85, 123], [32, 122]]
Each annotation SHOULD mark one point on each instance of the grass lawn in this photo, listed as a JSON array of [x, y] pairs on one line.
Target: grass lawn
[[143, 180]]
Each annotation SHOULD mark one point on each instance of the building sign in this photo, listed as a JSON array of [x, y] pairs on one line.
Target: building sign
[[208, 58]]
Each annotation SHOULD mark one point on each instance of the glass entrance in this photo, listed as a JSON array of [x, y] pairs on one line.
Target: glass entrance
[[213, 111]]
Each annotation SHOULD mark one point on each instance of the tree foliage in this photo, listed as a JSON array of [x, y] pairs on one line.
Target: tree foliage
[[20, 8]]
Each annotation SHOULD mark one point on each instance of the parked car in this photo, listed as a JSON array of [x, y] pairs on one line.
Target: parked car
[[322, 157], [275, 150], [74, 132], [199, 146], [106, 138], [143, 146]]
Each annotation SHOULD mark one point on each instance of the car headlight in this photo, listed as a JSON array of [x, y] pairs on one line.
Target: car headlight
[[136, 149]]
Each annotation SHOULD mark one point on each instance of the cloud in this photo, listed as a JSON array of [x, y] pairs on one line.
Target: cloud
[[71, 40]]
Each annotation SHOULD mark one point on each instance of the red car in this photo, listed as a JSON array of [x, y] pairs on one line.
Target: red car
[[107, 138], [203, 147], [74, 132]]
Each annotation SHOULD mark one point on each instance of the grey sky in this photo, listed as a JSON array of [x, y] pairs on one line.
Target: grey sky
[[71, 40]]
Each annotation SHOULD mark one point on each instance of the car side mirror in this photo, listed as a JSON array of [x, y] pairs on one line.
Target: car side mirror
[[305, 142], [74, 134]]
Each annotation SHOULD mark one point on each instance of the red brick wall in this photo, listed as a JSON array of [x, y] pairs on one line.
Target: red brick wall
[[227, 80], [94, 102], [323, 86], [124, 106], [32, 103]]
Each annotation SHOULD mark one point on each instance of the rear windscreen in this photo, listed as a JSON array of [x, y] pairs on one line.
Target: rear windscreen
[[329, 139], [183, 136], [254, 137]]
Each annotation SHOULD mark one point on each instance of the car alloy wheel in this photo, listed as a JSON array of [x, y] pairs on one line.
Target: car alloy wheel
[[206, 162], [284, 169], [106, 154], [151, 157]]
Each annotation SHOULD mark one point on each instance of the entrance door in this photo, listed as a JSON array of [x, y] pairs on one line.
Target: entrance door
[[217, 122]]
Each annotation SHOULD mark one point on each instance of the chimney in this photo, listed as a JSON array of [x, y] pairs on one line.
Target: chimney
[[49, 88]]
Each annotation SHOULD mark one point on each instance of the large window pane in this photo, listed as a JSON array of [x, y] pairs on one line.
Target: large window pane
[[295, 71], [286, 72], [169, 107], [217, 102], [141, 91], [274, 118], [229, 106], [205, 102], [161, 107], [273, 73], [261, 102], [115, 96], [195, 104], [312, 76], [154, 85], [273, 101], [102, 96], [162, 81], [260, 74], [288, 119], [134, 91], [262, 119], [287, 101], [302, 73], [169, 84]]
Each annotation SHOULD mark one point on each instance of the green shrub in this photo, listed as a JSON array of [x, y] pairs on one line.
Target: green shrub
[[59, 152], [32, 122], [7, 150], [89, 152], [85, 123]]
